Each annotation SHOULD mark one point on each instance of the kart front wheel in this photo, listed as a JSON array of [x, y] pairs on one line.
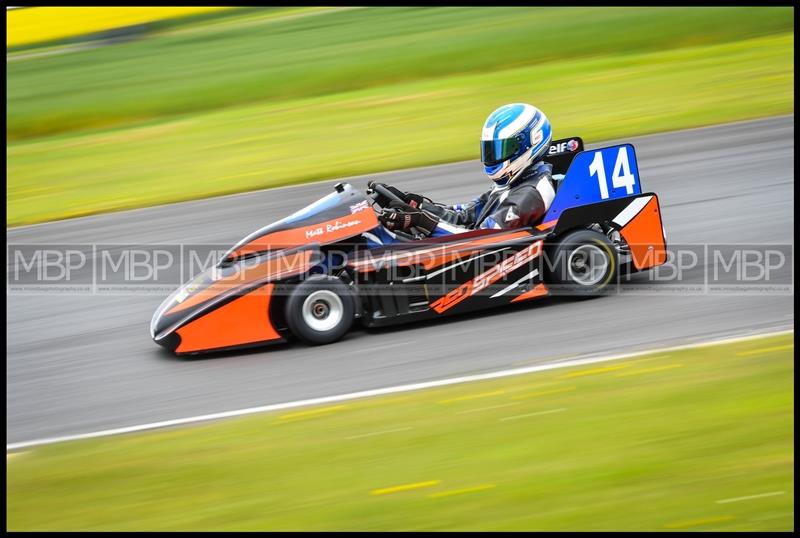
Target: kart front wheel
[[320, 310], [583, 264]]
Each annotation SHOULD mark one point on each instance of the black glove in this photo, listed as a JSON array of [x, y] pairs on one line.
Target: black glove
[[403, 220], [414, 200], [411, 199]]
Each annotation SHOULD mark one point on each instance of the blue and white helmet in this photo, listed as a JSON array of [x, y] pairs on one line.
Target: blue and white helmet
[[513, 137]]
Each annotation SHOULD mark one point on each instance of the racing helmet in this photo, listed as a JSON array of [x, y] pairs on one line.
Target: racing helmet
[[513, 137]]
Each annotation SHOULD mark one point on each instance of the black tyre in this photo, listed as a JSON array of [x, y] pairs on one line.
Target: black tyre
[[320, 310], [582, 264]]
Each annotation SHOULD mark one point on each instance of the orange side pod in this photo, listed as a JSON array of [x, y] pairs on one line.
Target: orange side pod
[[538, 290], [244, 320], [280, 266], [645, 236]]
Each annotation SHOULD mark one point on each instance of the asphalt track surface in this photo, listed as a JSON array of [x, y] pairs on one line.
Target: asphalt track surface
[[82, 363]]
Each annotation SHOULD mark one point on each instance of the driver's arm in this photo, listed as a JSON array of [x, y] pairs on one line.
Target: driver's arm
[[462, 215], [458, 214]]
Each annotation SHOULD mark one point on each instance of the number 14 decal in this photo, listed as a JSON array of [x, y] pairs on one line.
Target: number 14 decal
[[621, 177]]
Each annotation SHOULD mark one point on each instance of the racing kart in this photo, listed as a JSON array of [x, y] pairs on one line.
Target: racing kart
[[312, 274]]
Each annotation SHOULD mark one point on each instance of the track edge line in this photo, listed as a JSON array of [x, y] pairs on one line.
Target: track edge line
[[10, 447]]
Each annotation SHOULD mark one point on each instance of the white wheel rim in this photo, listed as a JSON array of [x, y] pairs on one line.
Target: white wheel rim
[[587, 265], [322, 310]]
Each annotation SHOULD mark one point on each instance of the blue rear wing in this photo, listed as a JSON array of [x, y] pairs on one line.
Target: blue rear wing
[[596, 176]]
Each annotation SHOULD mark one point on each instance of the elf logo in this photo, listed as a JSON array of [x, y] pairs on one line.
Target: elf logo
[[563, 147]]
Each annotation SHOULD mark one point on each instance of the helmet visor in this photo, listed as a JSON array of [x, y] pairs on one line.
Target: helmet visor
[[497, 151]]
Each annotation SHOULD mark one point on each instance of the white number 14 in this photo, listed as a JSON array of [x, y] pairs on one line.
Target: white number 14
[[621, 177]]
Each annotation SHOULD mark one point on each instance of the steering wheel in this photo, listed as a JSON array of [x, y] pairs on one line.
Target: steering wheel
[[381, 189]]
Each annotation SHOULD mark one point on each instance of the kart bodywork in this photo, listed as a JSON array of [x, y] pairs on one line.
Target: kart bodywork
[[261, 291]]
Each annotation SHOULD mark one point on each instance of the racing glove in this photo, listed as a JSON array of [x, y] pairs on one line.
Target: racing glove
[[404, 220], [414, 200]]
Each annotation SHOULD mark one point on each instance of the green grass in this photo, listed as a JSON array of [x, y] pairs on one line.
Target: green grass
[[260, 100], [390, 127], [342, 50], [651, 443]]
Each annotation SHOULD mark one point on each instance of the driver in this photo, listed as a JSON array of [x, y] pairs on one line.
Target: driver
[[514, 140]]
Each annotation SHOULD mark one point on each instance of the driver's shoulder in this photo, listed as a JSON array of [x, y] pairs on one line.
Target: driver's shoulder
[[533, 174], [536, 170]]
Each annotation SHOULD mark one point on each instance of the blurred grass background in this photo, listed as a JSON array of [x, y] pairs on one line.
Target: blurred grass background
[[271, 98], [698, 439], [33, 26]]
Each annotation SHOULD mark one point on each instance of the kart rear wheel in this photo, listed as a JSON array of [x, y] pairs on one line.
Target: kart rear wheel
[[320, 310], [583, 264]]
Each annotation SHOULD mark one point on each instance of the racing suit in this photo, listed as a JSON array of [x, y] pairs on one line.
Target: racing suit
[[522, 204]]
